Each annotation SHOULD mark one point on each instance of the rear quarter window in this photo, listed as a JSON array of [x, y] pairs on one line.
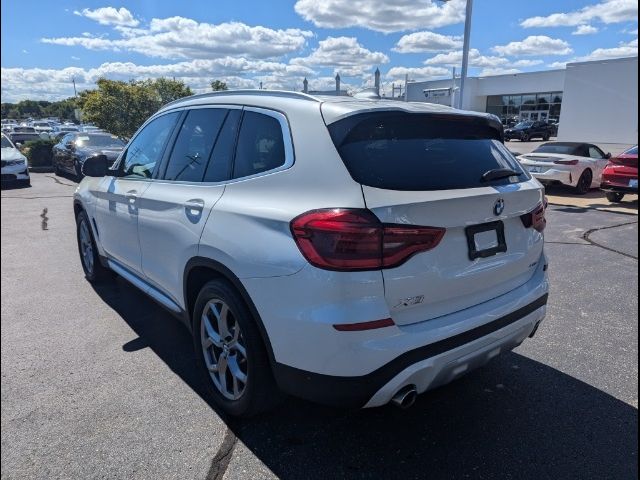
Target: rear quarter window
[[407, 151]]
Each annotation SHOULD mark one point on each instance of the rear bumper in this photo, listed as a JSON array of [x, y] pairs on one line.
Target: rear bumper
[[358, 369], [425, 367], [555, 176], [618, 187]]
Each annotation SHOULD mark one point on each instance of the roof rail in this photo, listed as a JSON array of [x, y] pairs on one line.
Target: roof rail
[[265, 93]]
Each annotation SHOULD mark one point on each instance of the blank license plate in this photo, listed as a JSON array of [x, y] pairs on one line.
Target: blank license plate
[[486, 239]]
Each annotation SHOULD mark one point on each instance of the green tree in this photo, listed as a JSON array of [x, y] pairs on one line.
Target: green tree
[[121, 107], [217, 85], [169, 90]]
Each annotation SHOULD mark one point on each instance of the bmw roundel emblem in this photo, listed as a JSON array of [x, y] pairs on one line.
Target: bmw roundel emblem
[[498, 208]]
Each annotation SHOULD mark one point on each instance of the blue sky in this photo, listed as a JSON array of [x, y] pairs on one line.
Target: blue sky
[[278, 43]]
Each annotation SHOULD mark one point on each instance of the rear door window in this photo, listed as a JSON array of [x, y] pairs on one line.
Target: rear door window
[[221, 159], [194, 144], [260, 145], [408, 151]]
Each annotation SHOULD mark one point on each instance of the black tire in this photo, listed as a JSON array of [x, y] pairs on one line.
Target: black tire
[[94, 272], [56, 168], [507, 139], [260, 392], [546, 138], [524, 137], [584, 182], [615, 197]]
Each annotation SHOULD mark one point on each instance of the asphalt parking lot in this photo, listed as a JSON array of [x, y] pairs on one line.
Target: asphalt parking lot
[[100, 383]]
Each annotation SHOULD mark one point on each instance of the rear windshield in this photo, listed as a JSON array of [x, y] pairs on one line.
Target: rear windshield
[[557, 148], [408, 151]]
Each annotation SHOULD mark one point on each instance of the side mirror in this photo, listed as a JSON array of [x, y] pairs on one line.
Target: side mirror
[[18, 145], [96, 166], [608, 155]]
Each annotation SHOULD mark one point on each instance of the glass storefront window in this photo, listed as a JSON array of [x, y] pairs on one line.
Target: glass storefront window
[[509, 107]]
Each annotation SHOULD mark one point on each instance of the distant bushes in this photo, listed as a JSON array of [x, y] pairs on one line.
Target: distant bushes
[[39, 152]]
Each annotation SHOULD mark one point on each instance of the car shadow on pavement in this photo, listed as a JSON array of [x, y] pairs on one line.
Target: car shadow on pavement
[[514, 418]]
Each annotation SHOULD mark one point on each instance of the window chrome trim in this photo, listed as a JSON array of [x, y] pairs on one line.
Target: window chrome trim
[[287, 138]]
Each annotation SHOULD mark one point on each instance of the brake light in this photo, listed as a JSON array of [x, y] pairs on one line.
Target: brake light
[[355, 239], [566, 162], [536, 218]]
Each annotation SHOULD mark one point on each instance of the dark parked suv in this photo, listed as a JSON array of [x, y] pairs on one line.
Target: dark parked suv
[[525, 131]]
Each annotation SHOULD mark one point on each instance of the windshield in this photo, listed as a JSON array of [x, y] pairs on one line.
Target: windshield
[[99, 141], [405, 151], [524, 125], [6, 143], [557, 148], [632, 151]]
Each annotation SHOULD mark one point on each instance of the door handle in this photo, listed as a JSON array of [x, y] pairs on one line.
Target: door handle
[[194, 206], [132, 196]]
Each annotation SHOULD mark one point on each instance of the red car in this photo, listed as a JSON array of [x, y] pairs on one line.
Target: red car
[[620, 176]]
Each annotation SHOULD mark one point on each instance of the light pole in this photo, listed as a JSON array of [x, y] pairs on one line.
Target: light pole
[[465, 50]]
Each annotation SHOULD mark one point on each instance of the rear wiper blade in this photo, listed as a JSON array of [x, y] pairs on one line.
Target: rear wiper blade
[[498, 173]]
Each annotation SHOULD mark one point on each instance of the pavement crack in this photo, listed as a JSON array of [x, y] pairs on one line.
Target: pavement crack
[[220, 462], [586, 235]]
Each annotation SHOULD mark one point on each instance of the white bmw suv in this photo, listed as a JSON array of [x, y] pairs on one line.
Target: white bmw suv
[[351, 252]]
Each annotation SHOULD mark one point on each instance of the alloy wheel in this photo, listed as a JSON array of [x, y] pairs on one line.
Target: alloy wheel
[[86, 247], [224, 349]]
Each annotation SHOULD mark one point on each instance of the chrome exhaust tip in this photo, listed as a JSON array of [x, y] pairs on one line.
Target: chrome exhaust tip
[[405, 397]]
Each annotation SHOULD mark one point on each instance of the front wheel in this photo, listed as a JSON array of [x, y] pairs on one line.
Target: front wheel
[[615, 197], [231, 353], [94, 271], [545, 138], [584, 182], [524, 137]]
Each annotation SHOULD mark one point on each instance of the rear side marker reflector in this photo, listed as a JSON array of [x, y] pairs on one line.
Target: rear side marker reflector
[[358, 327]]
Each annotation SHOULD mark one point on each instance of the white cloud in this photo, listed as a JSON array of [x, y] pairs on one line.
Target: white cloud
[[624, 49], [73, 57], [527, 63], [179, 37], [535, 45], [585, 30], [417, 73], [609, 11], [390, 16], [109, 16], [475, 59], [38, 83], [628, 49], [491, 71], [427, 42], [344, 55]]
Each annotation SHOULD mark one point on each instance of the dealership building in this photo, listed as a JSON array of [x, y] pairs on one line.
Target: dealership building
[[593, 101]]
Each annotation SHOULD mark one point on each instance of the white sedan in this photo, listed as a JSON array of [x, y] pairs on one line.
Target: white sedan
[[14, 164], [579, 165]]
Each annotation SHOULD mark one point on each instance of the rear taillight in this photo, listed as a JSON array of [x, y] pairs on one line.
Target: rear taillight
[[536, 218], [354, 239], [566, 162]]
